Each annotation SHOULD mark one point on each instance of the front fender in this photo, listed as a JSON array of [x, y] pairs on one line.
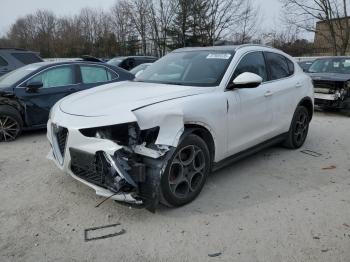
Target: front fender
[[169, 120]]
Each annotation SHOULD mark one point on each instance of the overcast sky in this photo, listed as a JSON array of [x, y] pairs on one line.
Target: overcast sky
[[12, 9]]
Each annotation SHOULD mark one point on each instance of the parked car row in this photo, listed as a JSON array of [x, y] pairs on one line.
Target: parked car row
[[154, 136]]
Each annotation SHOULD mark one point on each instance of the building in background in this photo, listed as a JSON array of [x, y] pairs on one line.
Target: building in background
[[328, 30]]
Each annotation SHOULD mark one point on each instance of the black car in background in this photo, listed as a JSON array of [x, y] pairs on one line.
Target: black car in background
[[12, 58], [28, 93], [129, 62], [331, 77], [305, 65]]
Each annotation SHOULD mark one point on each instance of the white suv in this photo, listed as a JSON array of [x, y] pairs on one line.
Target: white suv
[[155, 139]]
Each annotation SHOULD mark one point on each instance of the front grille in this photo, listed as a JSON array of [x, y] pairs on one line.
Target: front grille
[[324, 84], [84, 166], [62, 136]]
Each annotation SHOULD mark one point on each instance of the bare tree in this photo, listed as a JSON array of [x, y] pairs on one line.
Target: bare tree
[[332, 13], [248, 24], [139, 10], [222, 16], [161, 16]]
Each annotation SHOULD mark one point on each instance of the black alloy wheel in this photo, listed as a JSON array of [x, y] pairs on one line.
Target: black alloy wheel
[[186, 172], [9, 128], [299, 129]]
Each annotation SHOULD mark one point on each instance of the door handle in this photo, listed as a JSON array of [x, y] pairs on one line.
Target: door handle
[[298, 85], [268, 93]]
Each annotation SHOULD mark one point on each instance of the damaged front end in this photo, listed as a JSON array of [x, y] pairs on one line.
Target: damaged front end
[[135, 169], [332, 94]]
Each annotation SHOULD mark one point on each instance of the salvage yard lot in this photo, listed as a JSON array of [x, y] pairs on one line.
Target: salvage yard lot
[[277, 205]]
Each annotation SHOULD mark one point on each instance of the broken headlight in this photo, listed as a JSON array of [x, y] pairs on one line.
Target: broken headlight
[[122, 134], [128, 134]]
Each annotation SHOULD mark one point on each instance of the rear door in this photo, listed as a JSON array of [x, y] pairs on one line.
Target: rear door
[[58, 82], [283, 83], [95, 75]]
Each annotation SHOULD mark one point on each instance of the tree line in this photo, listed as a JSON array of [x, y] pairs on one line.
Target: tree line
[[148, 27], [155, 27]]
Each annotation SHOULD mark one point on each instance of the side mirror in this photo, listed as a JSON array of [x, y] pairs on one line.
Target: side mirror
[[34, 85], [247, 80]]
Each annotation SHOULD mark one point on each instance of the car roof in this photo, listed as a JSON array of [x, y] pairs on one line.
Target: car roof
[[136, 56], [232, 48], [333, 57], [50, 63]]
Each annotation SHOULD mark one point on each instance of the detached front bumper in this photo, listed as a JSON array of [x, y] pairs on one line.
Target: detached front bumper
[[105, 167]]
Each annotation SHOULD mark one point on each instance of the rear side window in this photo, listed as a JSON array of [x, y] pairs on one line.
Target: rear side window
[[252, 63], [3, 62], [96, 74], [26, 58], [278, 66]]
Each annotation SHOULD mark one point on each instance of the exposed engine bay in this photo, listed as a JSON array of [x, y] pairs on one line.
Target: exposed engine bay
[[135, 169], [332, 94]]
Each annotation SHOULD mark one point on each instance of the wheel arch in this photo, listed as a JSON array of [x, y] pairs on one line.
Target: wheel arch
[[308, 104], [204, 133]]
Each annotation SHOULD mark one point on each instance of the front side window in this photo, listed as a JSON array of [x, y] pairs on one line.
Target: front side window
[[278, 66], [96, 74], [56, 77], [252, 63], [192, 68]]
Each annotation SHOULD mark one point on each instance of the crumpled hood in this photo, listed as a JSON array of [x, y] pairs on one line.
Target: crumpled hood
[[330, 77], [123, 96]]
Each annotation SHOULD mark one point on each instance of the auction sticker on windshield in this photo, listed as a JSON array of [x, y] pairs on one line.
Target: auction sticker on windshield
[[219, 56]]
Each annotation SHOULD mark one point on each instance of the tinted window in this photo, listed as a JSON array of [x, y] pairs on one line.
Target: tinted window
[[27, 58], [96, 74], [252, 63], [278, 66], [3, 62], [60, 76], [290, 66]]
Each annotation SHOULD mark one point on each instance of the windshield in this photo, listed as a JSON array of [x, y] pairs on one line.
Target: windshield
[[331, 65], [16, 75], [115, 61], [196, 68]]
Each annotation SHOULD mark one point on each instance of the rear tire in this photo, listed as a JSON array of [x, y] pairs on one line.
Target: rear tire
[[186, 172], [11, 124], [299, 129]]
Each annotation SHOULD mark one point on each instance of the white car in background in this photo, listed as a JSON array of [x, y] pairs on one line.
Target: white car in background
[[155, 139]]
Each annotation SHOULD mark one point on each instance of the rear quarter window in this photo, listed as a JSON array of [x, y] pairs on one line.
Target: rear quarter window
[[26, 58], [277, 65]]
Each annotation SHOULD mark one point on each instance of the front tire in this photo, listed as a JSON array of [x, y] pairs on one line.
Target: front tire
[[11, 124], [186, 172], [299, 128]]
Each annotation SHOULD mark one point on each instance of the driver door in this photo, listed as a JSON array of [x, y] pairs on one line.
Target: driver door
[[58, 82], [249, 109]]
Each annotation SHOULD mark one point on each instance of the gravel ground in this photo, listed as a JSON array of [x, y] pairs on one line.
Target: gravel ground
[[277, 205]]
